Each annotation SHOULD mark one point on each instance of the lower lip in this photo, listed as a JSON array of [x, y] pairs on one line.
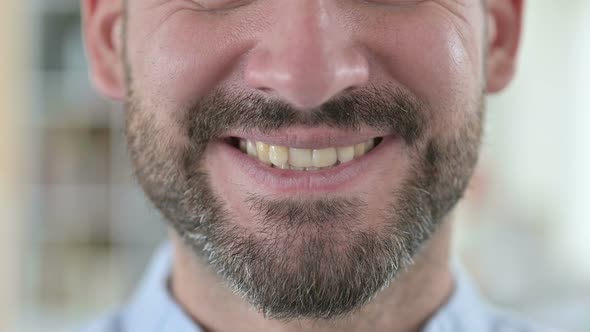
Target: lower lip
[[290, 181]]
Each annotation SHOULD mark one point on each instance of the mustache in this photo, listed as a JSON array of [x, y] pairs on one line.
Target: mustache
[[390, 110]]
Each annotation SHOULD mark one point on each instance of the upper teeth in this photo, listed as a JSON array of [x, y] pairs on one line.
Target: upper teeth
[[303, 159]]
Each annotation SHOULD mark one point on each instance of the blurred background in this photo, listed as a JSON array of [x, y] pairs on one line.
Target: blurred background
[[76, 232]]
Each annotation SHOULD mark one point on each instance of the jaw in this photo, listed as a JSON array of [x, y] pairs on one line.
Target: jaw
[[415, 295]]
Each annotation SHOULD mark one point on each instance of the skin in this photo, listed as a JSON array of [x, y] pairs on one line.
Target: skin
[[306, 53]]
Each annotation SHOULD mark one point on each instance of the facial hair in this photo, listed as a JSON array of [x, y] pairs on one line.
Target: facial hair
[[292, 266]]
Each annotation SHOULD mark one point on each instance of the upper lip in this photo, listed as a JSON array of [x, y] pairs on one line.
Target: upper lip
[[309, 138]]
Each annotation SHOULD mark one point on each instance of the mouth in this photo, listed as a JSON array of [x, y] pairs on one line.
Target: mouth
[[302, 159], [305, 160]]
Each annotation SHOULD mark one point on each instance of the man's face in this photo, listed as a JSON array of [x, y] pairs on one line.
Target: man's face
[[305, 149]]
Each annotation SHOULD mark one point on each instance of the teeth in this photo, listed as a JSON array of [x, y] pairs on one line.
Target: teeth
[[304, 159], [359, 150], [345, 154], [279, 155], [300, 157], [251, 148], [324, 157], [262, 149], [243, 144]]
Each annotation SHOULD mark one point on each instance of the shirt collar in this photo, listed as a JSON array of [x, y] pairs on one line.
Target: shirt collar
[[152, 308]]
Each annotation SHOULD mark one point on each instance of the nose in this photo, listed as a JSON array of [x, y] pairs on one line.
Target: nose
[[307, 58]]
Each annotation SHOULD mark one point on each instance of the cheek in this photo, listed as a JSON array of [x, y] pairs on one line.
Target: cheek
[[433, 64], [431, 58], [180, 60]]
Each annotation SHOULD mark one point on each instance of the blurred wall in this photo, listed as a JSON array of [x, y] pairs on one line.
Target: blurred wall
[[541, 124], [526, 239], [539, 134], [12, 142]]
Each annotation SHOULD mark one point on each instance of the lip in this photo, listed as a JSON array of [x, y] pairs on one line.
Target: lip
[[309, 138], [280, 181]]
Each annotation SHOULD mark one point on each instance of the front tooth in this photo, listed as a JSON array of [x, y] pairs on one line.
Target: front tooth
[[359, 150], [324, 157], [345, 154], [251, 148], [278, 155], [262, 150], [300, 157]]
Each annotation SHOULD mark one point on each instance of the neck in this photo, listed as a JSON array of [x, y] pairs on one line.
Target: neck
[[406, 305]]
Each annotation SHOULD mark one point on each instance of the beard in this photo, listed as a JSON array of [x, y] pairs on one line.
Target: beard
[[304, 258]]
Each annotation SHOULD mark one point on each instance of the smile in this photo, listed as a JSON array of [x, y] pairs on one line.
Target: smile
[[308, 160], [303, 159]]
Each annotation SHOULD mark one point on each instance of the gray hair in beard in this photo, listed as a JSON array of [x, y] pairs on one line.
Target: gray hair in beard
[[306, 259]]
